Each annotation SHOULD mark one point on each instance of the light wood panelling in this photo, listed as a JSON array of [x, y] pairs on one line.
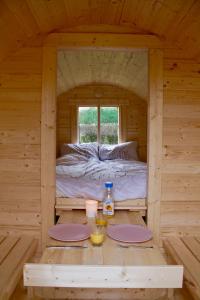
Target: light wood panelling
[[103, 40], [180, 213], [48, 138], [15, 251], [134, 112], [121, 68], [20, 218], [155, 137], [20, 97], [61, 275], [154, 155], [20, 126], [175, 22], [185, 251], [122, 294], [31, 231], [109, 255], [181, 148]]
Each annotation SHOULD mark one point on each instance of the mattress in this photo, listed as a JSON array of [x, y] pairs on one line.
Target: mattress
[[78, 177]]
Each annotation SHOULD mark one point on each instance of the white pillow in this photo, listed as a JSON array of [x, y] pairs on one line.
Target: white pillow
[[87, 149], [126, 151]]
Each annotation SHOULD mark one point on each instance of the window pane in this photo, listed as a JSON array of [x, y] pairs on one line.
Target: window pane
[[88, 124], [109, 125]]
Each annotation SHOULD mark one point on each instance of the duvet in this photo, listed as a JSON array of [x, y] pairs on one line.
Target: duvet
[[78, 176]]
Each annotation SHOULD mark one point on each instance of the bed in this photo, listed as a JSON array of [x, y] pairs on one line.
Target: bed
[[83, 169]]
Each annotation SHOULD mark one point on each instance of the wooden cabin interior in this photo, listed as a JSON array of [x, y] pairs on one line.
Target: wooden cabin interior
[[142, 56]]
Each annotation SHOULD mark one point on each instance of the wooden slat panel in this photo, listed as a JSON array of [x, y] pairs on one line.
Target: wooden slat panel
[[20, 97], [177, 167], [25, 165], [182, 83], [15, 81], [103, 276], [20, 218], [177, 23], [2, 237], [155, 116], [20, 192], [185, 111], [12, 266], [11, 41], [19, 151], [20, 177], [110, 15], [180, 213], [6, 246], [180, 180], [48, 140], [181, 187], [78, 203], [22, 60], [127, 69], [176, 152], [57, 16], [32, 231], [68, 40], [179, 230], [188, 260], [181, 255], [103, 294], [181, 68], [194, 246], [22, 14], [13, 259]]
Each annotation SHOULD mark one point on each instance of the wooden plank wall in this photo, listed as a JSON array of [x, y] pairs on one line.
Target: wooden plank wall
[[180, 207], [20, 102], [133, 118], [20, 94]]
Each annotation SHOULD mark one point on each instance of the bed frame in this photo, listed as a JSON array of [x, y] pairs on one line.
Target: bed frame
[[63, 204]]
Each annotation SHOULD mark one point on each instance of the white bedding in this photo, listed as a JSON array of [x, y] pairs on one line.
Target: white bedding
[[81, 177]]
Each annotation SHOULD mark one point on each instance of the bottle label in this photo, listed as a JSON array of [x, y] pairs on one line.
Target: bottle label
[[108, 207]]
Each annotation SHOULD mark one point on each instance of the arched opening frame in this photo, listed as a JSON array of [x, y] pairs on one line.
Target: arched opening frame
[[57, 41]]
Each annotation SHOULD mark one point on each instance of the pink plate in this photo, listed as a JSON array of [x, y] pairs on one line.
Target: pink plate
[[69, 232], [129, 233]]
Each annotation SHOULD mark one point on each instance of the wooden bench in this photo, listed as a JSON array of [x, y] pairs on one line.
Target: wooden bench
[[186, 251], [14, 252]]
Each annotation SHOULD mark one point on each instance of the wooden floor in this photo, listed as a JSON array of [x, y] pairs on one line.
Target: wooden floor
[[21, 294]]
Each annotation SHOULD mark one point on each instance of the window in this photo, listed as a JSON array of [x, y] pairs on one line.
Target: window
[[98, 124]]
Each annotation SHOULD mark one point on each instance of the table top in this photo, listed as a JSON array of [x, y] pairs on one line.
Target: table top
[[107, 266], [111, 252]]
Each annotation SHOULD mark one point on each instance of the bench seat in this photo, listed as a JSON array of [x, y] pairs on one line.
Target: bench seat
[[14, 252], [186, 251]]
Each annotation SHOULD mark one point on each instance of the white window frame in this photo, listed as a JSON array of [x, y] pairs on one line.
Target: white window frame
[[98, 106]]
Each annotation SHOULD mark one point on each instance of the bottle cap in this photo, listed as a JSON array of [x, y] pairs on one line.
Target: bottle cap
[[108, 184]]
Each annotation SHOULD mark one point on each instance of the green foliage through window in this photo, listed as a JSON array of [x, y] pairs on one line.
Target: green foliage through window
[[88, 124], [88, 115]]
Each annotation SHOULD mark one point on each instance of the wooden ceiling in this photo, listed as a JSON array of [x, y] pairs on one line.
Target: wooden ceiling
[[175, 21], [122, 68]]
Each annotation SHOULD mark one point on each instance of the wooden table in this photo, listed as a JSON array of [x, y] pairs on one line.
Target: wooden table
[[107, 266]]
